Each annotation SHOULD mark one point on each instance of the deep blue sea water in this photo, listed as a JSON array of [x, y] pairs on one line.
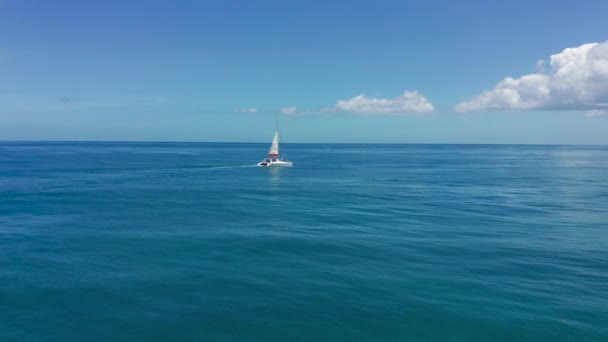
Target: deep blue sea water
[[188, 242]]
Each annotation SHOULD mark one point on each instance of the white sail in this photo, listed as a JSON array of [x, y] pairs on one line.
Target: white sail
[[274, 148], [273, 158]]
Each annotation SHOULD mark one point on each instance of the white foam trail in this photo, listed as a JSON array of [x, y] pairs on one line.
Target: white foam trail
[[227, 167]]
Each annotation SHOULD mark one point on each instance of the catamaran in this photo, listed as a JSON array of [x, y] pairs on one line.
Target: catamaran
[[274, 159]]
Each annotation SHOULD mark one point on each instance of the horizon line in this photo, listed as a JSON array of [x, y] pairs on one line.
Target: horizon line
[[286, 143]]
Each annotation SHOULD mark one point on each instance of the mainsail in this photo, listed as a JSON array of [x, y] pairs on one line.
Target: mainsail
[[273, 158], [274, 148]]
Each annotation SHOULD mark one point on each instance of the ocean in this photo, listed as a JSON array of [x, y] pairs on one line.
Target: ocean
[[191, 242]]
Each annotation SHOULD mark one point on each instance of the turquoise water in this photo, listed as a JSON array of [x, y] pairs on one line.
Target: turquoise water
[[172, 241]]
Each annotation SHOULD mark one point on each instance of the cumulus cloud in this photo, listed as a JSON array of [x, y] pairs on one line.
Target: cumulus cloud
[[245, 110], [409, 102], [577, 80], [541, 64]]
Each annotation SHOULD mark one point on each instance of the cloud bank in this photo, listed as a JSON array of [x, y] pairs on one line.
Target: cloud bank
[[410, 102], [577, 80]]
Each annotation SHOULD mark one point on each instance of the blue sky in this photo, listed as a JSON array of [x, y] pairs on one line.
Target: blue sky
[[220, 70]]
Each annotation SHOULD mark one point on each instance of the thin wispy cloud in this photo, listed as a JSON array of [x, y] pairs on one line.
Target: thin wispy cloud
[[410, 102], [597, 112], [245, 110], [21, 103], [577, 80], [289, 110]]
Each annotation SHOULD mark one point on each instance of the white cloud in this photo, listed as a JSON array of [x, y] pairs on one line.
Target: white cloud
[[577, 80], [245, 110], [289, 110], [408, 103], [597, 112], [540, 66]]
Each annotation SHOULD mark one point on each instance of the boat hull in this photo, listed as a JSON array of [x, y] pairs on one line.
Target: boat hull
[[281, 163]]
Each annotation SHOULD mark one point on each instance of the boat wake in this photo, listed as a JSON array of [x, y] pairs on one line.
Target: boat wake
[[227, 167]]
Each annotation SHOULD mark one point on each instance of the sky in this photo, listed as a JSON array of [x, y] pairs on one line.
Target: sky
[[496, 72]]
